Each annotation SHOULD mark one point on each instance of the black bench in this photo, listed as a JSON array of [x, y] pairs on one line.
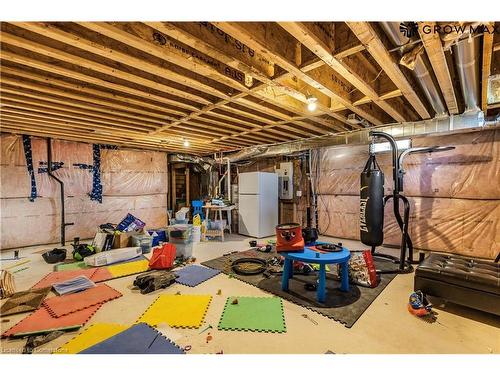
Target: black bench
[[461, 280]]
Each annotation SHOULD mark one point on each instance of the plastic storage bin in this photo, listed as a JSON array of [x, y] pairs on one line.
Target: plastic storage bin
[[181, 235], [196, 234], [144, 241]]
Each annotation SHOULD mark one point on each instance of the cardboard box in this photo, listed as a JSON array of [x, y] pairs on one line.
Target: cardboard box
[[123, 239]]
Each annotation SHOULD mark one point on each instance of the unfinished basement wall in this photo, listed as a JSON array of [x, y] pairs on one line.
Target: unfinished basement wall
[[133, 181], [454, 195]]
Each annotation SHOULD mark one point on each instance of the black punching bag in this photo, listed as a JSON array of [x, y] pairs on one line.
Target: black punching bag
[[371, 205]]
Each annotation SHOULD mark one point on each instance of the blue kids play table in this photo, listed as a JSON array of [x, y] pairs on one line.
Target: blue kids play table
[[312, 256]]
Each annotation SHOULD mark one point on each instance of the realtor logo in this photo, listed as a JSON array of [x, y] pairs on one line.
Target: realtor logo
[[408, 29]]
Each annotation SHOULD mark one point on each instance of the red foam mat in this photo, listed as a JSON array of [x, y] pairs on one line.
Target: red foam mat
[[42, 321], [94, 274], [70, 303]]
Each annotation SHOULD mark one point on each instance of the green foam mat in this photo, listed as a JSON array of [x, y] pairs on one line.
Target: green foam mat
[[71, 266], [258, 314]]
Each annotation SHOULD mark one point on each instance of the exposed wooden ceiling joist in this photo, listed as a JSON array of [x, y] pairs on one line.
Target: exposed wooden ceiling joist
[[222, 85], [302, 32], [434, 49], [372, 42]]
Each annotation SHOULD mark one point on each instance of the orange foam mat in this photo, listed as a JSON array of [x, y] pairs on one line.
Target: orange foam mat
[[67, 304], [41, 321], [94, 274], [102, 274]]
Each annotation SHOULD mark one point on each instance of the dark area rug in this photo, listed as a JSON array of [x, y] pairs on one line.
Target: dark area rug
[[345, 308]]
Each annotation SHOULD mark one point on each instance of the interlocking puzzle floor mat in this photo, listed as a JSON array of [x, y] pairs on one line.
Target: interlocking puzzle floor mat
[[193, 275], [41, 321], [25, 301], [138, 339], [340, 306], [180, 311], [92, 335], [70, 303], [130, 268], [60, 276], [261, 314], [81, 265], [95, 274]]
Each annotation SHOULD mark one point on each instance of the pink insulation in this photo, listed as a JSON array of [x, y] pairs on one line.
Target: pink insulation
[[133, 181], [454, 195]]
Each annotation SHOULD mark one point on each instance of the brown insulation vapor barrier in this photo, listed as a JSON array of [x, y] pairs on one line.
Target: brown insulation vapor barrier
[[454, 195], [133, 181]]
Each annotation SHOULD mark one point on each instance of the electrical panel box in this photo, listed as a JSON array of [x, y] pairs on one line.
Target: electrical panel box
[[285, 180]]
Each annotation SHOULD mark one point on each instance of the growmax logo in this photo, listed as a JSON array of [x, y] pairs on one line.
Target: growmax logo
[[460, 29], [408, 29]]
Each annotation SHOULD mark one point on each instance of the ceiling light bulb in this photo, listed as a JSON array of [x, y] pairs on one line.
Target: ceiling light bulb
[[186, 143], [312, 103]]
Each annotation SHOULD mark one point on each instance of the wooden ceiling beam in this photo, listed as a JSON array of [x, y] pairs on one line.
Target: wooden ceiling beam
[[292, 120], [280, 124], [172, 51], [207, 38], [303, 34], [195, 60], [295, 106], [58, 133], [97, 67], [269, 124], [19, 128], [43, 113], [486, 66], [36, 123], [372, 42], [18, 88], [40, 106], [273, 126], [239, 128], [434, 49], [203, 84], [48, 103], [202, 130], [276, 45], [88, 94], [54, 68]]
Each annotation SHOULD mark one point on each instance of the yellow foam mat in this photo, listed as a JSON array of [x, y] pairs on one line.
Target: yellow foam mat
[[181, 311], [129, 268], [94, 334]]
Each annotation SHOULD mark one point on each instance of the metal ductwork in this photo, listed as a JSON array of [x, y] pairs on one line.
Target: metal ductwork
[[420, 71], [466, 56], [468, 121], [203, 162]]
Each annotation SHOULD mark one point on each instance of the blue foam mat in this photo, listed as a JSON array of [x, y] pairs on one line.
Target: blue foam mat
[[193, 275], [139, 339]]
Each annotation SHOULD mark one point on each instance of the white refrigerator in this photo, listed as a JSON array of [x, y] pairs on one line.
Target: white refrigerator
[[257, 204]]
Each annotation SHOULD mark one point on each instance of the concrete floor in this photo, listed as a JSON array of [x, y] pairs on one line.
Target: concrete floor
[[385, 327]]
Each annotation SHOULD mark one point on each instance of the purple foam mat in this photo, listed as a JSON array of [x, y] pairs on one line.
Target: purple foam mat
[[193, 275], [139, 339]]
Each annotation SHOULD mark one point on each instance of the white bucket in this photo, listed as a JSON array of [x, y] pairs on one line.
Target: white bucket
[[196, 234]]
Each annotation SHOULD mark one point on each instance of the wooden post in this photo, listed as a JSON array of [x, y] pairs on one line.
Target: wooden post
[[174, 192], [187, 187]]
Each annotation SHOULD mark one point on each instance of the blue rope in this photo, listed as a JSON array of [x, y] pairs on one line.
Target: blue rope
[[29, 164], [55, 166], [90, 167], [96, 193]]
